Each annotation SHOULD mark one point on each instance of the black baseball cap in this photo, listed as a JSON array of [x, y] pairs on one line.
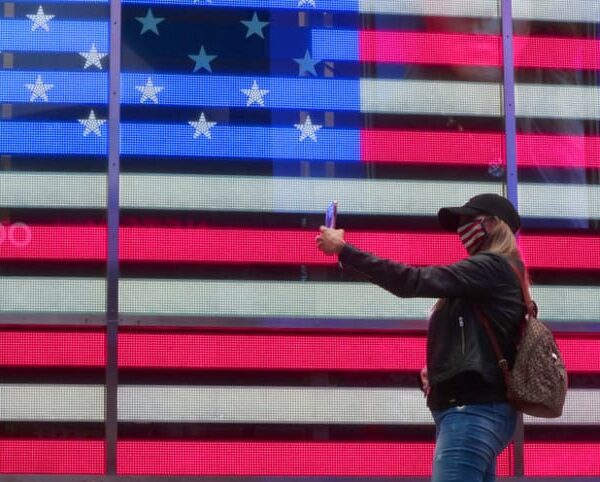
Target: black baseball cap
[[491, 204]]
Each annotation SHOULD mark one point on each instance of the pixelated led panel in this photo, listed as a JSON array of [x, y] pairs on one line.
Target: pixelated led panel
[[288, 194], [264, 351], [270, 246], [48, 295], [558, 459], [323, 405], [323, 458], [161, 457], [270, 299], [60, 457]]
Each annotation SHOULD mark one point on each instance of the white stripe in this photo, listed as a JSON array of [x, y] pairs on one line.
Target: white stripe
[[558, 10], [272, 299], [470, 229], [566, 303], [52, 295], [453, 8], [355, 196], [471, 241], [257, 299], [559, 201], [51, 403], [219, 404], [468, 226], [573, 11], [286, 194], [431, 97], [478, 99], [326, 405], [322, 300], [210, 404], [52, 190], [557, 101], [582, 407], [238, 193]]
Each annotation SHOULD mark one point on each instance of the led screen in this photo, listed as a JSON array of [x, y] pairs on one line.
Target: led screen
[[242, 350]]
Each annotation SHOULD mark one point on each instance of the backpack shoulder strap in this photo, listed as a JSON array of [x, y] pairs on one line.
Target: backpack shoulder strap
[[531, 311], [502, 362], [530, 305]]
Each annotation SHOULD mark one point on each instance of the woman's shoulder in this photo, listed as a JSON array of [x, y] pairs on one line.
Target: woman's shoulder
[[494, 257], [501, 262]]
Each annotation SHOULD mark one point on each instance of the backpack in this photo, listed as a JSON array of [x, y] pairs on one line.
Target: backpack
[[537, 383]]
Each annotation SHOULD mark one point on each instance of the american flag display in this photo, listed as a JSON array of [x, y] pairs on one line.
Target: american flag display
[[243, 351]]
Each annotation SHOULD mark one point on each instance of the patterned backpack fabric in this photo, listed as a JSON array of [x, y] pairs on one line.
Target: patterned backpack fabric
[[537, 383]]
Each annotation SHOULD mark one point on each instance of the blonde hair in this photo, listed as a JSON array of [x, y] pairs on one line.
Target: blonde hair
[[501, 240]]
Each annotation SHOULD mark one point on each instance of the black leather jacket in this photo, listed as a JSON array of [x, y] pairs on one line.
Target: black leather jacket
[[459, 353]]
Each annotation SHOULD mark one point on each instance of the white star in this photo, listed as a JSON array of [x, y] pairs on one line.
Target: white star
[[202, 127], [255, 95], [308, 129], [309, 2], [149, 91], [92, 57], [39, 89], [91, 124], [40, 20]]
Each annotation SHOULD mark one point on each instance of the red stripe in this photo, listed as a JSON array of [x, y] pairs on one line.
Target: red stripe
[[561, 252], [580, 354], [63, 457], [477, 50], [430, 48], [189, 350], [562, 459], [277, 246], [279, 458], [558, 151], [55, 348], [557, 53], [205, 245], [194, 349], [24, 456], [270, 351], [484, 149], [429, 147], [56, 242]]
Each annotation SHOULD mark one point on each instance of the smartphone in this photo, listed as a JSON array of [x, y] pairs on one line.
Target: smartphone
[[331, 214]]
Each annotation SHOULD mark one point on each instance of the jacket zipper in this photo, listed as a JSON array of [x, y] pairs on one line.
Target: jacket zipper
[[461, 323]]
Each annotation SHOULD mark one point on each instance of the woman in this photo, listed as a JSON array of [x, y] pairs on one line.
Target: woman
[[462, 381]]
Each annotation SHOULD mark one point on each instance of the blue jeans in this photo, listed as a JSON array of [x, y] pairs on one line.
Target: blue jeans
[[468, 440]]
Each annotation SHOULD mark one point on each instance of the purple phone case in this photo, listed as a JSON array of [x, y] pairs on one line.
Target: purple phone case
[[330, 215]]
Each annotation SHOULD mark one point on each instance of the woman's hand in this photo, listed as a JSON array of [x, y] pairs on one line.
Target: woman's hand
[[330, 241], [425, 382]]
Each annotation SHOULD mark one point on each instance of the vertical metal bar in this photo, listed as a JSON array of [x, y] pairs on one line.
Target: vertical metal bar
[[519, 448], [512, 179], [112, 266], [510, 125]]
